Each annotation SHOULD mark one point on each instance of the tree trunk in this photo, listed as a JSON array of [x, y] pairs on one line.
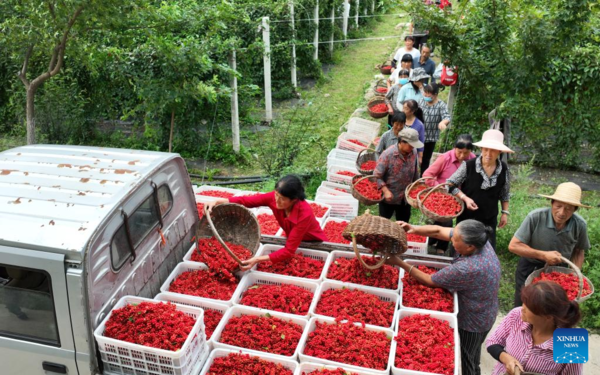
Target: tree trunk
[[172, 126], [30, 113]]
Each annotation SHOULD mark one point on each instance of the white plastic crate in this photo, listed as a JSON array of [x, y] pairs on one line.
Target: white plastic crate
[[259, 278], [382, 294], [188, 256], [238, 310], [311, 327], [313, 254], [417, 247], [309, 367], [343, 142], [448, 318], [217, 353], [326, 215], [199, 189], [367, 128], [335, 189], [193, 266], [243, 193], [334, 176], [182, 299], [341, 157], [350, 255], [122, 357], [437, 265], [341, 207], [265, 210]]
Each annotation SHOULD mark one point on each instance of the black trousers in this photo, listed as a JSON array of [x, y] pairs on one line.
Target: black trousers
[[439, 244], [470, 351], [427, 153], [524, 269], [402, 210]]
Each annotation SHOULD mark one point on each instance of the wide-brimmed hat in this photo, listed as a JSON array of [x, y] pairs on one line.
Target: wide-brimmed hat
[[411, 136], [567, 192], [493, 139], [418, 74]]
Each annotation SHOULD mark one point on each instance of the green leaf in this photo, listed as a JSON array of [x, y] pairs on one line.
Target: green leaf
[[254, 287], [282, 336], [267, 315]]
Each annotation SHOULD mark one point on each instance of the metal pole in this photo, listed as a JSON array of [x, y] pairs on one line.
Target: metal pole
[[357, 12], [294, 83], [235, 116], [332, 30], [346, 16], [316, 40], [267, 63]]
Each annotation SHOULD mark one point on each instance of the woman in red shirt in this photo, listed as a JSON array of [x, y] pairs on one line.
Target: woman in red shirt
[[292, 212]]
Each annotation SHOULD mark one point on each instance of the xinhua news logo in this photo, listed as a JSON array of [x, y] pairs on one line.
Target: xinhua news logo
[[570, 345]]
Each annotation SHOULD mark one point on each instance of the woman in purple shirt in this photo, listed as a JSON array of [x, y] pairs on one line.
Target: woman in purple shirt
[[414, 120]]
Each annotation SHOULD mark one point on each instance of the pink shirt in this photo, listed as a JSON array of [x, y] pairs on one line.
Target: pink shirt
[[300, 225], [515, 335], [445, 165]]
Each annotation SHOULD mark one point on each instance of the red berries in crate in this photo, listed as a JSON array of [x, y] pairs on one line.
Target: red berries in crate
[[212, 318], [569, 282], [368, 189], [285, 298], [298, 266], [200, 207], [268, 224], [204, 283], [357, 142], [442, 204], [379, 108], [346, 173], [157, 325], [419, 296], [356, 305], [245, 364], [368, 165], [337, 371], [333, 230], [348, 343], [351, 271], [212, 253], [216, 193], [411, 237], [425, 344], [262, 333], [318, 210]]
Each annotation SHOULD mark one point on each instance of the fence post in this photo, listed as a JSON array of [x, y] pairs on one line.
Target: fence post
[[357, 12], [332, 30], [316, 40], [267, 64], [373, 6], [293, 22], [345, 18], [235, 116]]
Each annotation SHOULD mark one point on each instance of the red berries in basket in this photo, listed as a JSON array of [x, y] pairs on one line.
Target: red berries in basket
[[569, 282], [368, 189], [379, 108], [416, 190], [382, 90], [442, 204], [368, 165]]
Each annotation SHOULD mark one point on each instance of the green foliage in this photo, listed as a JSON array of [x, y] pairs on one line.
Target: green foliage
[[536, 62]]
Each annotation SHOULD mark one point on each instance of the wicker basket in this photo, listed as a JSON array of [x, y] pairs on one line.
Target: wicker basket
[[364, 200], [386, 67], [417, 183], [374, 101], [369, 155], [573, 270], [380, 84], [233, 223], [432, 215], [378, 234]]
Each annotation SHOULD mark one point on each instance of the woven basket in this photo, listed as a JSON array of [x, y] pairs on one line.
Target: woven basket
[[364, 156], [417, 183], [432, 215], [364, 200], [386, 67], [380, 84], [573, 270], [374, 101], [233, 223], [378, 234]]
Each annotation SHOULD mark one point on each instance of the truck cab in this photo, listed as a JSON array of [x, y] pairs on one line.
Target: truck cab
[[80, 227]]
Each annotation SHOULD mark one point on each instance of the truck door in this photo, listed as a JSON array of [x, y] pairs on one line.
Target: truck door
[[35, 325]]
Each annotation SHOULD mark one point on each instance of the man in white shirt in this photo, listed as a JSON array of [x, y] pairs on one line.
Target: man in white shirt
[[409, 40]]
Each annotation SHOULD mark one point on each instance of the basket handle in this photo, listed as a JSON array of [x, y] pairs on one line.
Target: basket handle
[[362, 262], [409, 188], [431, 191], [360, 179], [363, 150], [577, 272], [218, 237]]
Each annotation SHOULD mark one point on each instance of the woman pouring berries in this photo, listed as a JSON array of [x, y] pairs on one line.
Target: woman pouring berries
[[292, 212]]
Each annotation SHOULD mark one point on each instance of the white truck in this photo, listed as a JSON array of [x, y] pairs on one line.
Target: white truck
[[81, 227]]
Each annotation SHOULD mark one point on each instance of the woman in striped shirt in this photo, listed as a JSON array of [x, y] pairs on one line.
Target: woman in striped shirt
[[524, 339]]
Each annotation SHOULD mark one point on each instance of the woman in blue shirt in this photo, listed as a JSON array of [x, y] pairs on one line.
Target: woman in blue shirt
[[414, 120], [413, 90]]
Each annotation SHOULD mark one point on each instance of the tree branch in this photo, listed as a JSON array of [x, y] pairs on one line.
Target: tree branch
[[51, 9], [23, 73]]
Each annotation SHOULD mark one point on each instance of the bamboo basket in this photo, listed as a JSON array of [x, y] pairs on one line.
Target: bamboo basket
[[369, 155], [386, 67], [432, 215], [374, 101], [362, 199], [380, 84], [573, 270], [417, 183], [233, 223]]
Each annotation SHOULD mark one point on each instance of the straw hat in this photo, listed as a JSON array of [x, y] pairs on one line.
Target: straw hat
[[493, 139], [567, 192]]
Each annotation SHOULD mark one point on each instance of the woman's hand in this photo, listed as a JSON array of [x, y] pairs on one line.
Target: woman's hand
[[503, 221], [442, 125], [387, 194], [406, 226], [209, 206], [510, 363], [470, 203], [248, 264]]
